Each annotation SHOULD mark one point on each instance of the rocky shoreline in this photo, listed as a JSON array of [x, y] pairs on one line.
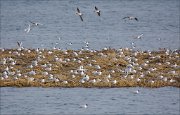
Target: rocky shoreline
[[108, 67]]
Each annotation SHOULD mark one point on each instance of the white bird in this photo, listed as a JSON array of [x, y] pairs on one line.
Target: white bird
[[7, 68], [109, 76], [139, 36], [56, 80], [84, 106], [128, 69], [97, 11], [79, 14], [136, 92], [97, 66], [13, 63], [42, 80], [114, 81], [32, 73], [86, 78], [93, 81], [65, 82], [82, 81]]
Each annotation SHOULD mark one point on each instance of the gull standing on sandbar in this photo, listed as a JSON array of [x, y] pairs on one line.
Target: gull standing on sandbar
[[79, 14], [131, 18], [97, 11]]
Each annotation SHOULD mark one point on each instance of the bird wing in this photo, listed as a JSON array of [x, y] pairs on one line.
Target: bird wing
[[32, 22], [125, 17], [98, 13], [136, 19], [18, 44], [81, 18], [78, 10], [28, 29], [96, 8]]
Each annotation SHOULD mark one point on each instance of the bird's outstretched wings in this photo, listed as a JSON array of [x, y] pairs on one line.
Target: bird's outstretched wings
[[78, 10], [96, 8], [125, 17], [136, 19], [81, 18]]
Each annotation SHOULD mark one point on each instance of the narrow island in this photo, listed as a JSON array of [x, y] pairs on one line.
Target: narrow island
[[106, 68]]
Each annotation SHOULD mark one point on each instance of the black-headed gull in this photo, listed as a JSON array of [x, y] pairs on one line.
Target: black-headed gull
[[131, 18], [79, 14], [97, 11]]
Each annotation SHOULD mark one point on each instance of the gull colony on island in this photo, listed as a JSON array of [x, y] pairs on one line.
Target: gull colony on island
[[124, 67], [89, 68]]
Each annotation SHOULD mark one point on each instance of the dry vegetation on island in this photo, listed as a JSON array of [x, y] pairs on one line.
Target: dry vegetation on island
[[89, 68]]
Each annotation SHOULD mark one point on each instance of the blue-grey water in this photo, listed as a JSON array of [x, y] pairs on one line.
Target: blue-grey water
[[164, 101], [158, 22]]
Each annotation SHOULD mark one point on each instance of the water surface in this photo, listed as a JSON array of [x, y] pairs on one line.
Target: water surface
[[100, 101], [158, 21]]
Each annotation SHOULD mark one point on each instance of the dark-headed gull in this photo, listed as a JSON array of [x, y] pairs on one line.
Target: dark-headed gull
[[79, 14], [97, 11], [131, 18]]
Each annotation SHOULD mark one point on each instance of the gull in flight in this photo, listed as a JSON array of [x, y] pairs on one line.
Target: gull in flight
[[27, 30], [79, 14], [131, 18], [19, 44], [97, 11], [139, 36], [33, 24]]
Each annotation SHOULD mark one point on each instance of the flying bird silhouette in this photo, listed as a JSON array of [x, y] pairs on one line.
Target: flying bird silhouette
[[79, 14], [131, 18], [97, 11]]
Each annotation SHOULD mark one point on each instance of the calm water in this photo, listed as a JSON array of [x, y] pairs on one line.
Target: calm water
[[100, 101], [158, 21]]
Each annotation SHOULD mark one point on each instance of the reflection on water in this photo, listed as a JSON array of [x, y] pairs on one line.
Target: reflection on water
[[100, 101]]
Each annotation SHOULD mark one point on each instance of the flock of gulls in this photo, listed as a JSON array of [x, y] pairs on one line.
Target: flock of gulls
[[80, 14], [87, 67], [34, 24]]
